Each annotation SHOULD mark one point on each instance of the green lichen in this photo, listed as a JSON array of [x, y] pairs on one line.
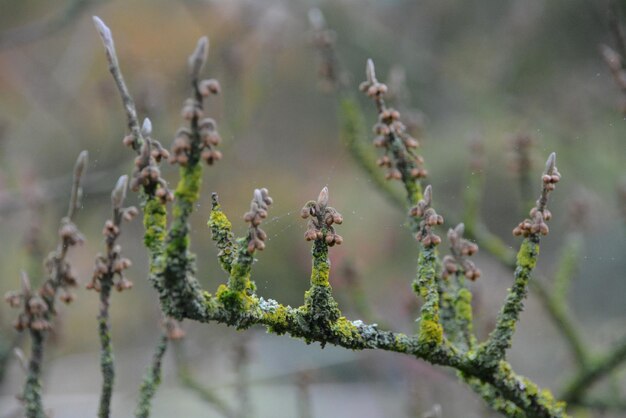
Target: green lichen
[[527, 255], [430, 329], [345, 329], [277, 320], [188, 188], [500, 338], [463, 306], [320, 273], [400, 342], [430, 332], [531, 387], [155, 225], [219, 221], [234, 300], [239, 279]]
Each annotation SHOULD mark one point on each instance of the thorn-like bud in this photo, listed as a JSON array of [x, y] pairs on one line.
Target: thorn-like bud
[[146, 128], [105, 34], [322, 199], [370, 71], [81, 165], [119, 192], [551, 164], [198, 58], [316, 19], [428, 195], [25, 283]]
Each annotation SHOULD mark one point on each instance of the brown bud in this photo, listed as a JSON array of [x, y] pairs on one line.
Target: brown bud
[[67, 297], [128, 140], [210, 86], [123, 284], [380, 141], [411, 142], [310, 235]]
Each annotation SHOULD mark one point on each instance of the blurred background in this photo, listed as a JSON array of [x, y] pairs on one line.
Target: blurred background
[[490, 71]]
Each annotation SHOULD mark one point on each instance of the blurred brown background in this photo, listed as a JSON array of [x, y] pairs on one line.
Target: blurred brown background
[[488, 69]]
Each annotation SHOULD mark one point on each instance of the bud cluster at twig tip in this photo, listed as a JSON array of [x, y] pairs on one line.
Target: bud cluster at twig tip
[[322, 217], [146, 173], [38, 307], [400, 159], [201, 138], [60, 273], [34, 307], [258, 211], [429, 217], [539, 214], [460, 249], [111, 265]]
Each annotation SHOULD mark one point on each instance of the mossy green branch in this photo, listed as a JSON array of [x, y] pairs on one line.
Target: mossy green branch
[[178, 288], [430, 329], [155, 227], [455, 302], [493, 398], [493, 350], [239, 279], [221, 232], [320, 273]]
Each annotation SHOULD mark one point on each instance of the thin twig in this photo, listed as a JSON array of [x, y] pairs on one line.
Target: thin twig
[[151, 380]]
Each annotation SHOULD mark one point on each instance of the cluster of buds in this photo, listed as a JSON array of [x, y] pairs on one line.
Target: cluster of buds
[[258, 211], [539, 214], [108, 267], [322, 217], [460, 249], [429, 217], [201, 138], [61, 276], [112, 265], [35, 309], [146, 173], [398, 93], [38, 307], [323, 40], [391, 134]]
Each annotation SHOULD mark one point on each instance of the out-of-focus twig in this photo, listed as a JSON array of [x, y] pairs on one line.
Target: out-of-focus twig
[[152, 379], [186, 376], [42, 28]]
